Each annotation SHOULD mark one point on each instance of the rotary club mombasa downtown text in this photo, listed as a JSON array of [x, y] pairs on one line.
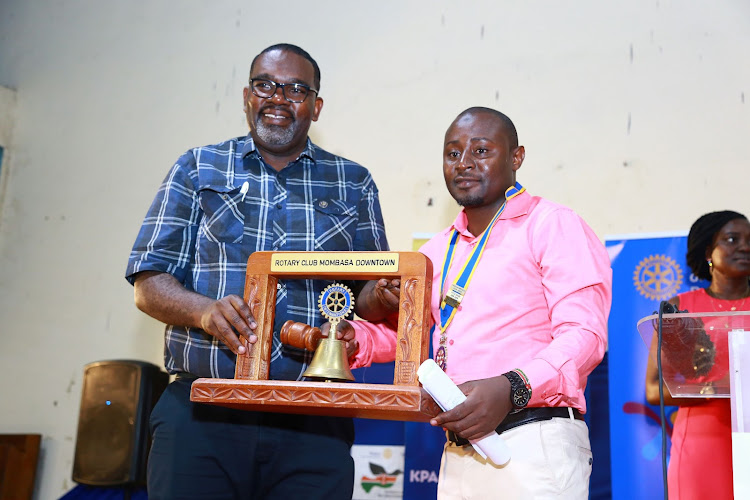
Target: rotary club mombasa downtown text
[[333, 262]]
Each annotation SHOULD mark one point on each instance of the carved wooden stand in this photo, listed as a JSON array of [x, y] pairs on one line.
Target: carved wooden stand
[[251, 390]]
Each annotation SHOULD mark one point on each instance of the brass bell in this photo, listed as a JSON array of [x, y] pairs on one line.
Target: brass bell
[[330, 361]]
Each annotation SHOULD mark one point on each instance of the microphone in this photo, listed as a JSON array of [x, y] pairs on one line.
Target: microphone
[[667, 307]]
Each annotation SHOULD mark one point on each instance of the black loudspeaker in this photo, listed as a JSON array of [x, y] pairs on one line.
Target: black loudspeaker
[[113, 439]]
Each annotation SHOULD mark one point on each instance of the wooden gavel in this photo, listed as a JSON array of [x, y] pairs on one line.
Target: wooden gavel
[[330, 360], [300, 335]]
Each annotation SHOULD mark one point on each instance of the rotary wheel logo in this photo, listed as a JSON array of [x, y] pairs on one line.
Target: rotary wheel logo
[[658, 277], [336, 301]]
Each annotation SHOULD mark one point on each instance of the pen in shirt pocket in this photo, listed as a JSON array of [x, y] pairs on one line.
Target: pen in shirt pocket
[[243, 189]]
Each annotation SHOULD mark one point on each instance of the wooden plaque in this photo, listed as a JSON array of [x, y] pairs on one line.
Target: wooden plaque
[[250, 388]]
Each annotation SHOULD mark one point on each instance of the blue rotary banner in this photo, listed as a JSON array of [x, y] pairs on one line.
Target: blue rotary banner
[[646, 270]]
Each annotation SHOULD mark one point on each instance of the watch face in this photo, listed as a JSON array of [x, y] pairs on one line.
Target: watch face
[[521, 397]]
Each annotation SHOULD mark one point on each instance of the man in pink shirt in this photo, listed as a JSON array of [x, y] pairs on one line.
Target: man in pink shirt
[[521, 295]]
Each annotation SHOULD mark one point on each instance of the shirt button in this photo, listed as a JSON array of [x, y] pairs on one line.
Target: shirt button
[[323, 204], [278, 205], [451, 342], [223, 196]]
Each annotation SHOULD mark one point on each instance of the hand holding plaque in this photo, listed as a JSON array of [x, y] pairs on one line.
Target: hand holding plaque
[[404, 277]]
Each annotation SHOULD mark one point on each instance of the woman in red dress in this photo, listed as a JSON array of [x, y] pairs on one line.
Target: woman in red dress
[[700, 466]]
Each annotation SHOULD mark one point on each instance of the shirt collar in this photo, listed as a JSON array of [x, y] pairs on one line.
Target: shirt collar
[[516, 207], [248, 147]]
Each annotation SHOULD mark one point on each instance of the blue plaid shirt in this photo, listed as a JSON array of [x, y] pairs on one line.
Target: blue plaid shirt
[[201, 228]]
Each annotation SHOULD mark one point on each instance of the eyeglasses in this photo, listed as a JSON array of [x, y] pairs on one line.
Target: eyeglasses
[[293, 92]]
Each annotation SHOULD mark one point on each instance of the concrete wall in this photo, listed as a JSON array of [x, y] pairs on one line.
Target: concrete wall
[[633, 113], [7, 120]]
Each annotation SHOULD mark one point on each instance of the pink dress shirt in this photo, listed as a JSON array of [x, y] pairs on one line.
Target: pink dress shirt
[[538, 301]]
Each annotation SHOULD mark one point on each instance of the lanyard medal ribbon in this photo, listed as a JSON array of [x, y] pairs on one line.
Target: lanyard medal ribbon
[[455, 294]]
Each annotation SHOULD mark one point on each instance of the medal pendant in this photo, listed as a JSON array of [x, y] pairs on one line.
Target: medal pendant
[[450, 301], [440, 357], [455, 295]]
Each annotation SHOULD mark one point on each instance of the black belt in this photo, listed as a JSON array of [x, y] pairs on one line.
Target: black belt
[[525, 416]]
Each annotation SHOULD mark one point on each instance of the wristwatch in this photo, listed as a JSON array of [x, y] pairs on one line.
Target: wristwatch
[[520, 390]]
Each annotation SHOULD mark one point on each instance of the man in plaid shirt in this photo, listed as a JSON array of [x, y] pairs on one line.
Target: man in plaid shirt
[[271, 190]]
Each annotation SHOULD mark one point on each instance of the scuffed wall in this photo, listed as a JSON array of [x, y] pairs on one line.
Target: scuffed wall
[[633, 113]]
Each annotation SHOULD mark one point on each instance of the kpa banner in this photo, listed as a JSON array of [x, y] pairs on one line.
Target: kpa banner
[[646, 270]]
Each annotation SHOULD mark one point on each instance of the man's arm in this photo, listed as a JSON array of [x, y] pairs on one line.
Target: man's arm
[[161, 257], [162, 297], [371, 342], [166, 239], [577, 283]]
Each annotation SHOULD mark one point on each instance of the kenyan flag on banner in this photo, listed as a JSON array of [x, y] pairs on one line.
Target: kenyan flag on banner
[[378, 472], [380, 478]]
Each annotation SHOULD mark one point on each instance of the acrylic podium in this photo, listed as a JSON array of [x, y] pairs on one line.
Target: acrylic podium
[[707, 355], [250, 388]]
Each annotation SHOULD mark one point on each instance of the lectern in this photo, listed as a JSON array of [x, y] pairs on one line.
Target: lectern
[[707, 355], [250, 388]]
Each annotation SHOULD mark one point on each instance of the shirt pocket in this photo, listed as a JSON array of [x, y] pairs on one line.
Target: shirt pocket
[[223, 219], [335, 224]]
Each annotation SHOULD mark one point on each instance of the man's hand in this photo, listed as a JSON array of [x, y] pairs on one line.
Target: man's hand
[[378, 299], [162, 297], [345, 332], [487, 404], [387, 293], [227, 315]]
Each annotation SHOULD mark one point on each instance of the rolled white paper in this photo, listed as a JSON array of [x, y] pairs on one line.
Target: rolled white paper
[[447, 395]]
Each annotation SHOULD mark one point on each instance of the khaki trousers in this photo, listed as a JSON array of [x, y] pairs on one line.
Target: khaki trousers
[[549, 459]]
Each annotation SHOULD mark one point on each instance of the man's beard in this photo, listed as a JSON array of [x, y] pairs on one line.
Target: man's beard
[[465, 199], [273, 134], [470, 201]]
